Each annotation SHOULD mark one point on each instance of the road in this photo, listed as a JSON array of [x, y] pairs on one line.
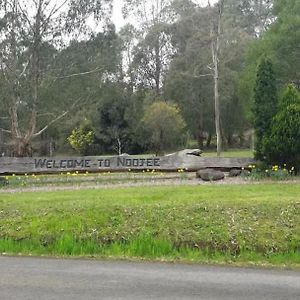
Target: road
[[38, 278]]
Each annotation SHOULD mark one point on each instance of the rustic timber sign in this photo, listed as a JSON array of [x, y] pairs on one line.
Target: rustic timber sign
[[172, 162]]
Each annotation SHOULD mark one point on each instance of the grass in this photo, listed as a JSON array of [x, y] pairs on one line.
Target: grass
[[231, 153], [82, 179], [246, 224]]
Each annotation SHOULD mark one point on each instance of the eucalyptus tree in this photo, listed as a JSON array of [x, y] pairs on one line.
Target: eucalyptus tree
[[128, 35], [31, 32], [191, 78], [215, 34], [154, 50], [189, 81]]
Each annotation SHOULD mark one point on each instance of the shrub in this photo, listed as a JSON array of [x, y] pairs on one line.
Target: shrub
[[81, 138], [164, 126], [282, 146], [265, 104]]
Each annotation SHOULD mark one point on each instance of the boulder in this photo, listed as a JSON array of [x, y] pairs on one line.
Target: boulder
[[195, 152], [235, 172], [210, 175]]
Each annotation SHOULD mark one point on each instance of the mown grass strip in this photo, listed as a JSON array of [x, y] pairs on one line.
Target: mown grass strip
[[246, 223], [231, 153]]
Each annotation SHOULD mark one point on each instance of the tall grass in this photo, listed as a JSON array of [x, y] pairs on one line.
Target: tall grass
[[246, 223], [144, 247]]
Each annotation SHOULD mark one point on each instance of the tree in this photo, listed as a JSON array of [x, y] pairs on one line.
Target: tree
[[92, 73], [254, 15], [31, 32], [215, 50], [282, 146], [280, 43], [128, 35], [190, 80], [164, 126], [112, 119], [153, 51], [265, 104]]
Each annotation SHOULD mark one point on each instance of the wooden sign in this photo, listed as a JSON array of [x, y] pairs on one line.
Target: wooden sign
[[171, 162]]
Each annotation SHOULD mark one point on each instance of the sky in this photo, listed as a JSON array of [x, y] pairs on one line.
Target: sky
[[117, 11], [117, 14]]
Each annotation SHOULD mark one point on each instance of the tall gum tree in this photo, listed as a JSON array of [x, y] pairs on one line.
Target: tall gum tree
[[215, 33], [31, 31], [153, 51]]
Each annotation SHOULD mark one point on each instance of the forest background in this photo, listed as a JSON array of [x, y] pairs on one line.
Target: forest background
[[70, 79]]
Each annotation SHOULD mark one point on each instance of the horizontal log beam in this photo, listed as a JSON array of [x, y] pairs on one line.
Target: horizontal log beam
[[172, 162]]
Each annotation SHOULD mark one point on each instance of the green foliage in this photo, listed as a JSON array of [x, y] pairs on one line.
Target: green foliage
[[264, 172], [33, 34], [280, 42], [265, 103], [282, 146], [81, 138], [164, 126], [117, 120], [189, 81]]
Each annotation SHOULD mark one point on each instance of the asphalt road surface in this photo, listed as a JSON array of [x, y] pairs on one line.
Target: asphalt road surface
[[43, 279]]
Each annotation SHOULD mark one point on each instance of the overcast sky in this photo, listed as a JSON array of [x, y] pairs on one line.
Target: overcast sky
[[117, 11]]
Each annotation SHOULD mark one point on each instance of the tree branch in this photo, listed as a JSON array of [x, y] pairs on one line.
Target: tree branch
[[5, 130], [203, 75], [54, 10], [26, 16], [46, 114], [210, 68], [56, 119], [25, 67], [49, 124], [196, 76], [80, 74]]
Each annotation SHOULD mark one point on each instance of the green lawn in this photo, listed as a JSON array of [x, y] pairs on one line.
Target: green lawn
[[231, 153], [240, 224]]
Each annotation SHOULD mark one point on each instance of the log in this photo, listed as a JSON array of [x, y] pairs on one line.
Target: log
[[172, 162]]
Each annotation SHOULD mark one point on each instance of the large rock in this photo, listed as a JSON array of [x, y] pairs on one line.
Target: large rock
[[235, 172], [210, 175], [195, 152]]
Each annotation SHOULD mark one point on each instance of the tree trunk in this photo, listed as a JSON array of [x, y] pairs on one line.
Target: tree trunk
[[215, 48], [119, 146], [157, 67], [200, 140], [217, 108], [21, 148], [200, 134], [208, 141]]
